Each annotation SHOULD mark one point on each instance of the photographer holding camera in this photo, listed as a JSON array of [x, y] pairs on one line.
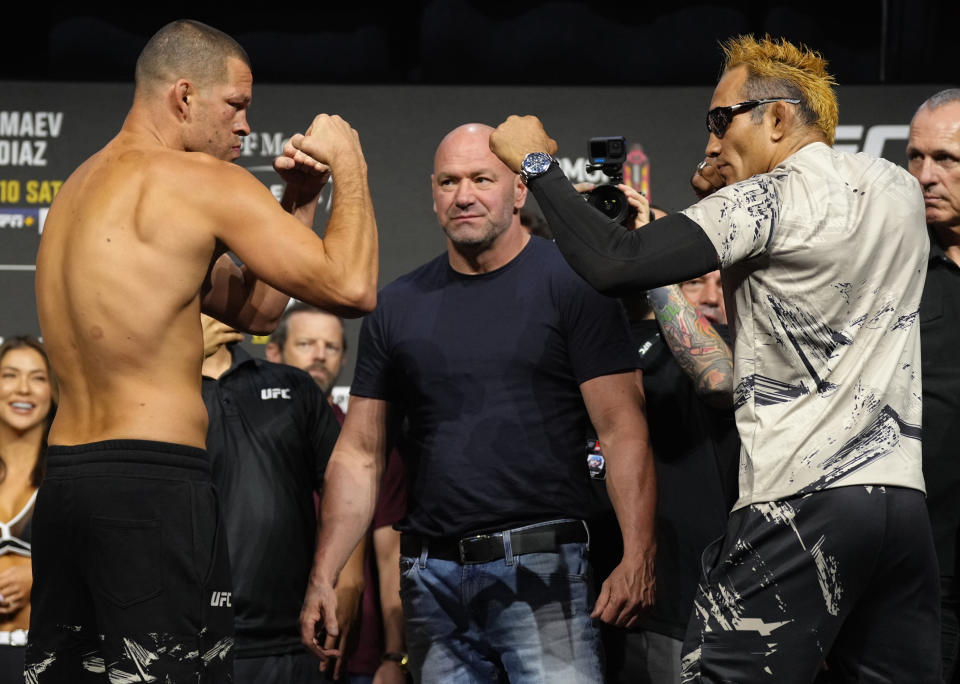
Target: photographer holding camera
[[607, 154]]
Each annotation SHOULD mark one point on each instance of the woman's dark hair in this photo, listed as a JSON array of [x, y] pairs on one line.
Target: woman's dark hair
[[29, 342]]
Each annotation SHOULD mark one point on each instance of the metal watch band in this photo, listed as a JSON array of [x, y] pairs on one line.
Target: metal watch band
[[535, 164]]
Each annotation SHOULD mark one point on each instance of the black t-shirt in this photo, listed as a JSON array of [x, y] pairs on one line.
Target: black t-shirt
[[696, 450], [270, 437], [940, 358], [486, 370]]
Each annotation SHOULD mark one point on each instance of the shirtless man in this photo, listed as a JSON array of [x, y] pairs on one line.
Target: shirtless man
[[131, 570]]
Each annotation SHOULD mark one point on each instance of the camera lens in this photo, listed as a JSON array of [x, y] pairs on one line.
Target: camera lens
[[609, 201]]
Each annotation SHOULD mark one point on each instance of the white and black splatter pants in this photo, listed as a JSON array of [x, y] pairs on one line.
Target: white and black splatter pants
[[844, 576]]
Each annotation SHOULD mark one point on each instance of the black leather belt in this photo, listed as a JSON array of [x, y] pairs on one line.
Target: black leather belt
[[484, 548]]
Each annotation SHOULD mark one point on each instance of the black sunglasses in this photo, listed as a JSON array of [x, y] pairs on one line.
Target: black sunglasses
[[719, 118]]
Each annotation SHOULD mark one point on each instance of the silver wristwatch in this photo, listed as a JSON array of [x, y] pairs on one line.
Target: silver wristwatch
[[534, 164]]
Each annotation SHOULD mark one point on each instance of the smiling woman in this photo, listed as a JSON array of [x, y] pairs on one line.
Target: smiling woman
[[27, 404]]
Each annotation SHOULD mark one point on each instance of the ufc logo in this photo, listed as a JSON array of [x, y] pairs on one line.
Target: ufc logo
[[220, 599], [275, 393]]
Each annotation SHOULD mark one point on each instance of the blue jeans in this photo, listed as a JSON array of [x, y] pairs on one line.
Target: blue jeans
[[522, 619]]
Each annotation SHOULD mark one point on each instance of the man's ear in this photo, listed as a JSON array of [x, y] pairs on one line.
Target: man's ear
[[182, 93], [520, 198], [272, 353], [781, 119]]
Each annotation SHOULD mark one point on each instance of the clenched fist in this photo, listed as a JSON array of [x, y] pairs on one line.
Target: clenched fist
[[517, 137]]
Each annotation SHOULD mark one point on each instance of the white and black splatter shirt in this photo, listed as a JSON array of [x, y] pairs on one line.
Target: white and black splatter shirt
[[823, 261]]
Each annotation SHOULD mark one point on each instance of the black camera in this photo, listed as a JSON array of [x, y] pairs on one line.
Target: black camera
[[607, 154]]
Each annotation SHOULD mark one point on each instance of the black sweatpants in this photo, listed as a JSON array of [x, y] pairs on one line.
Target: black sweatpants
[[289, 668], [847, 575], [131, 574]]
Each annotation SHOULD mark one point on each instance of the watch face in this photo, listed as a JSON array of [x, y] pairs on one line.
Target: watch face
[[536, 163]]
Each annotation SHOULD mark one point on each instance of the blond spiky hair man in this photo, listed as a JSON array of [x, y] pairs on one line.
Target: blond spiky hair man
[[779, 67], [828, 553]]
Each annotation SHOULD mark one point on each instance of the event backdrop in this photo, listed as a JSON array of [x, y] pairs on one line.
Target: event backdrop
[[47, 129]]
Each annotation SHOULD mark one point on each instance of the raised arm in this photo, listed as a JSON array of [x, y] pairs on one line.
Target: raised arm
[[696, 345], [351, 233], [235, 292], [349, 496], [616, 407], [612, 259], [337, 272]]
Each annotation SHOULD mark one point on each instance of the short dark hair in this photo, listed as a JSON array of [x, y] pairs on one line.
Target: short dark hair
[[944, 97], [187, 49], [279, 336]]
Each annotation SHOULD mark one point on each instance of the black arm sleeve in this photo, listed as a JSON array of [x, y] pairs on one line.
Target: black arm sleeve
[[612, 259]]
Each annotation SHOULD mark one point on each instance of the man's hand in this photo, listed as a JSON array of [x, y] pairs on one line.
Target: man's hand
[[640, 204], [216, 334], [626, 592], [301, 172], [318, 618], [348, 609], [15, 585], [517, 137], [330, 140], [706, 180]]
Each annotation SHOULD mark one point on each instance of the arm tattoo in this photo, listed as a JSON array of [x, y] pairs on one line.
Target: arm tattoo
[[696, 345]]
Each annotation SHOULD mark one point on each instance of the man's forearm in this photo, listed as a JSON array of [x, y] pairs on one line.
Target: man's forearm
[[302, 208], [386, 544], [613, 260], [238, 298], [696, 345], [350, 239], [265, 304], [351, 576], [349, 496], [632, 486], [615, 404], [349, 590]]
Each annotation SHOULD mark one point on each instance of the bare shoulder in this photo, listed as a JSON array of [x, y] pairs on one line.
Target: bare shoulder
[[221, 191], [126, 163], [186, 169]]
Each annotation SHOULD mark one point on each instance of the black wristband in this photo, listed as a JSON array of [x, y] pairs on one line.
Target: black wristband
[[395, 657]]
